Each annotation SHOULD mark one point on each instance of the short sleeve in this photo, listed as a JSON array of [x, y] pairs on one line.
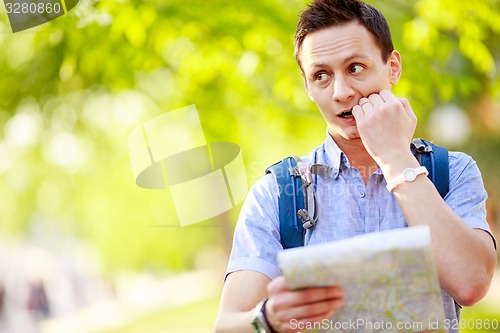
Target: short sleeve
[[467, 195], [256, 237]]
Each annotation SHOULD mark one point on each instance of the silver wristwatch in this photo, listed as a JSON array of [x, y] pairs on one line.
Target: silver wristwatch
[[259, 322]]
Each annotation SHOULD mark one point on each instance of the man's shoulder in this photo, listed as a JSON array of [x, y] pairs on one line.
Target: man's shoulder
[[458, 159], [269, 180], [311, 157], [316, 155], [463, 168]]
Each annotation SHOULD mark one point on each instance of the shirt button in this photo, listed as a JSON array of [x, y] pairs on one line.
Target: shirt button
[[362, 194]]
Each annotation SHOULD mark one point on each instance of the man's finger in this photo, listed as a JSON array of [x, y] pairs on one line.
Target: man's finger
[[277, 285], [357, 112], [407, 108], [362, 101], [387, 95], [376, 99], [324, 309], [306, 296]]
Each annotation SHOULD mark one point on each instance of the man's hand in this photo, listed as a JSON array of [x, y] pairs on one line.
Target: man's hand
[[386, 125], [288, 310]]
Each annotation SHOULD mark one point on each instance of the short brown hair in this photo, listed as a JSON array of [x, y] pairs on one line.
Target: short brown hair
[[322, 14]]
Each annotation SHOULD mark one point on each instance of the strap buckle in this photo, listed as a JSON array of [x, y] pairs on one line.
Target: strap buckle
[[307, 222], [420, 147], [307, 215]]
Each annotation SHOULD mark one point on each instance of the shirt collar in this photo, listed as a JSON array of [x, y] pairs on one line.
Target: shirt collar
[[335, 155]]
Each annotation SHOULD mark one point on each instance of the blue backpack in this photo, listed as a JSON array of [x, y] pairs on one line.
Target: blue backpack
[[296, 189]]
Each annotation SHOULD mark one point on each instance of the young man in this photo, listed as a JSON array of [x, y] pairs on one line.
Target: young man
[[348, 63]]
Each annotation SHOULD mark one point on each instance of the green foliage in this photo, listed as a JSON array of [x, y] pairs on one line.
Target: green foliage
[[448, 51], [72, 91]]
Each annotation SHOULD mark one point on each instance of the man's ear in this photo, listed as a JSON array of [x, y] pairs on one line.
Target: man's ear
[[306, 86], [396, 67]]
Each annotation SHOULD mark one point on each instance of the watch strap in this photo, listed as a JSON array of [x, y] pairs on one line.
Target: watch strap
[[260, 323], [408, 175]]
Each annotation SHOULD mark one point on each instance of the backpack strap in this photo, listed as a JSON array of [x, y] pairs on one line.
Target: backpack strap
[[290, 201], [435, 159], [308, 214]]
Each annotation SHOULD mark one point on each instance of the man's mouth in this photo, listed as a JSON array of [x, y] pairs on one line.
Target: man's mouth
[[346, 114]]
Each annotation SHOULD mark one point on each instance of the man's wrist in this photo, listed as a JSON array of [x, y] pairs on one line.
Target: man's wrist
[[396, 168], [408, 175], [260, 324]]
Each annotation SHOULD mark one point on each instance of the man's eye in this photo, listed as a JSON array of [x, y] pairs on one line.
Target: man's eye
[[355, 69], [321, 76]]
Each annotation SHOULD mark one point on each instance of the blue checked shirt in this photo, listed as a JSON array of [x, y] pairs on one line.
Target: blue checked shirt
[[346, 208]]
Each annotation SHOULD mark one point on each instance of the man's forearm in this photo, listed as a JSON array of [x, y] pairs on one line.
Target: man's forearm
[[231, 322], [465, 258]]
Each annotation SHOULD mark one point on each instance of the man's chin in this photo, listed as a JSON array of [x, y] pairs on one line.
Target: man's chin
[[346, 136], [352, 135]]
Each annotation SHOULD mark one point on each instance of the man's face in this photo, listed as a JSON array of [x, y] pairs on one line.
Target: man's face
[[340, 65]]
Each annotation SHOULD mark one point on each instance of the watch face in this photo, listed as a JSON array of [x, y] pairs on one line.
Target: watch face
[[409, 175], [257, 326], [259, 323]]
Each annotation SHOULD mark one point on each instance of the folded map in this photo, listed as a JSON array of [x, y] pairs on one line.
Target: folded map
[[389, 278]]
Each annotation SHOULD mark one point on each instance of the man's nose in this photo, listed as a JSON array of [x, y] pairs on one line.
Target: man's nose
[[342, 90]]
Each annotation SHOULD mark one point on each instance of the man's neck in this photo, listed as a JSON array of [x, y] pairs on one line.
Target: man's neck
[[358, 157]]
